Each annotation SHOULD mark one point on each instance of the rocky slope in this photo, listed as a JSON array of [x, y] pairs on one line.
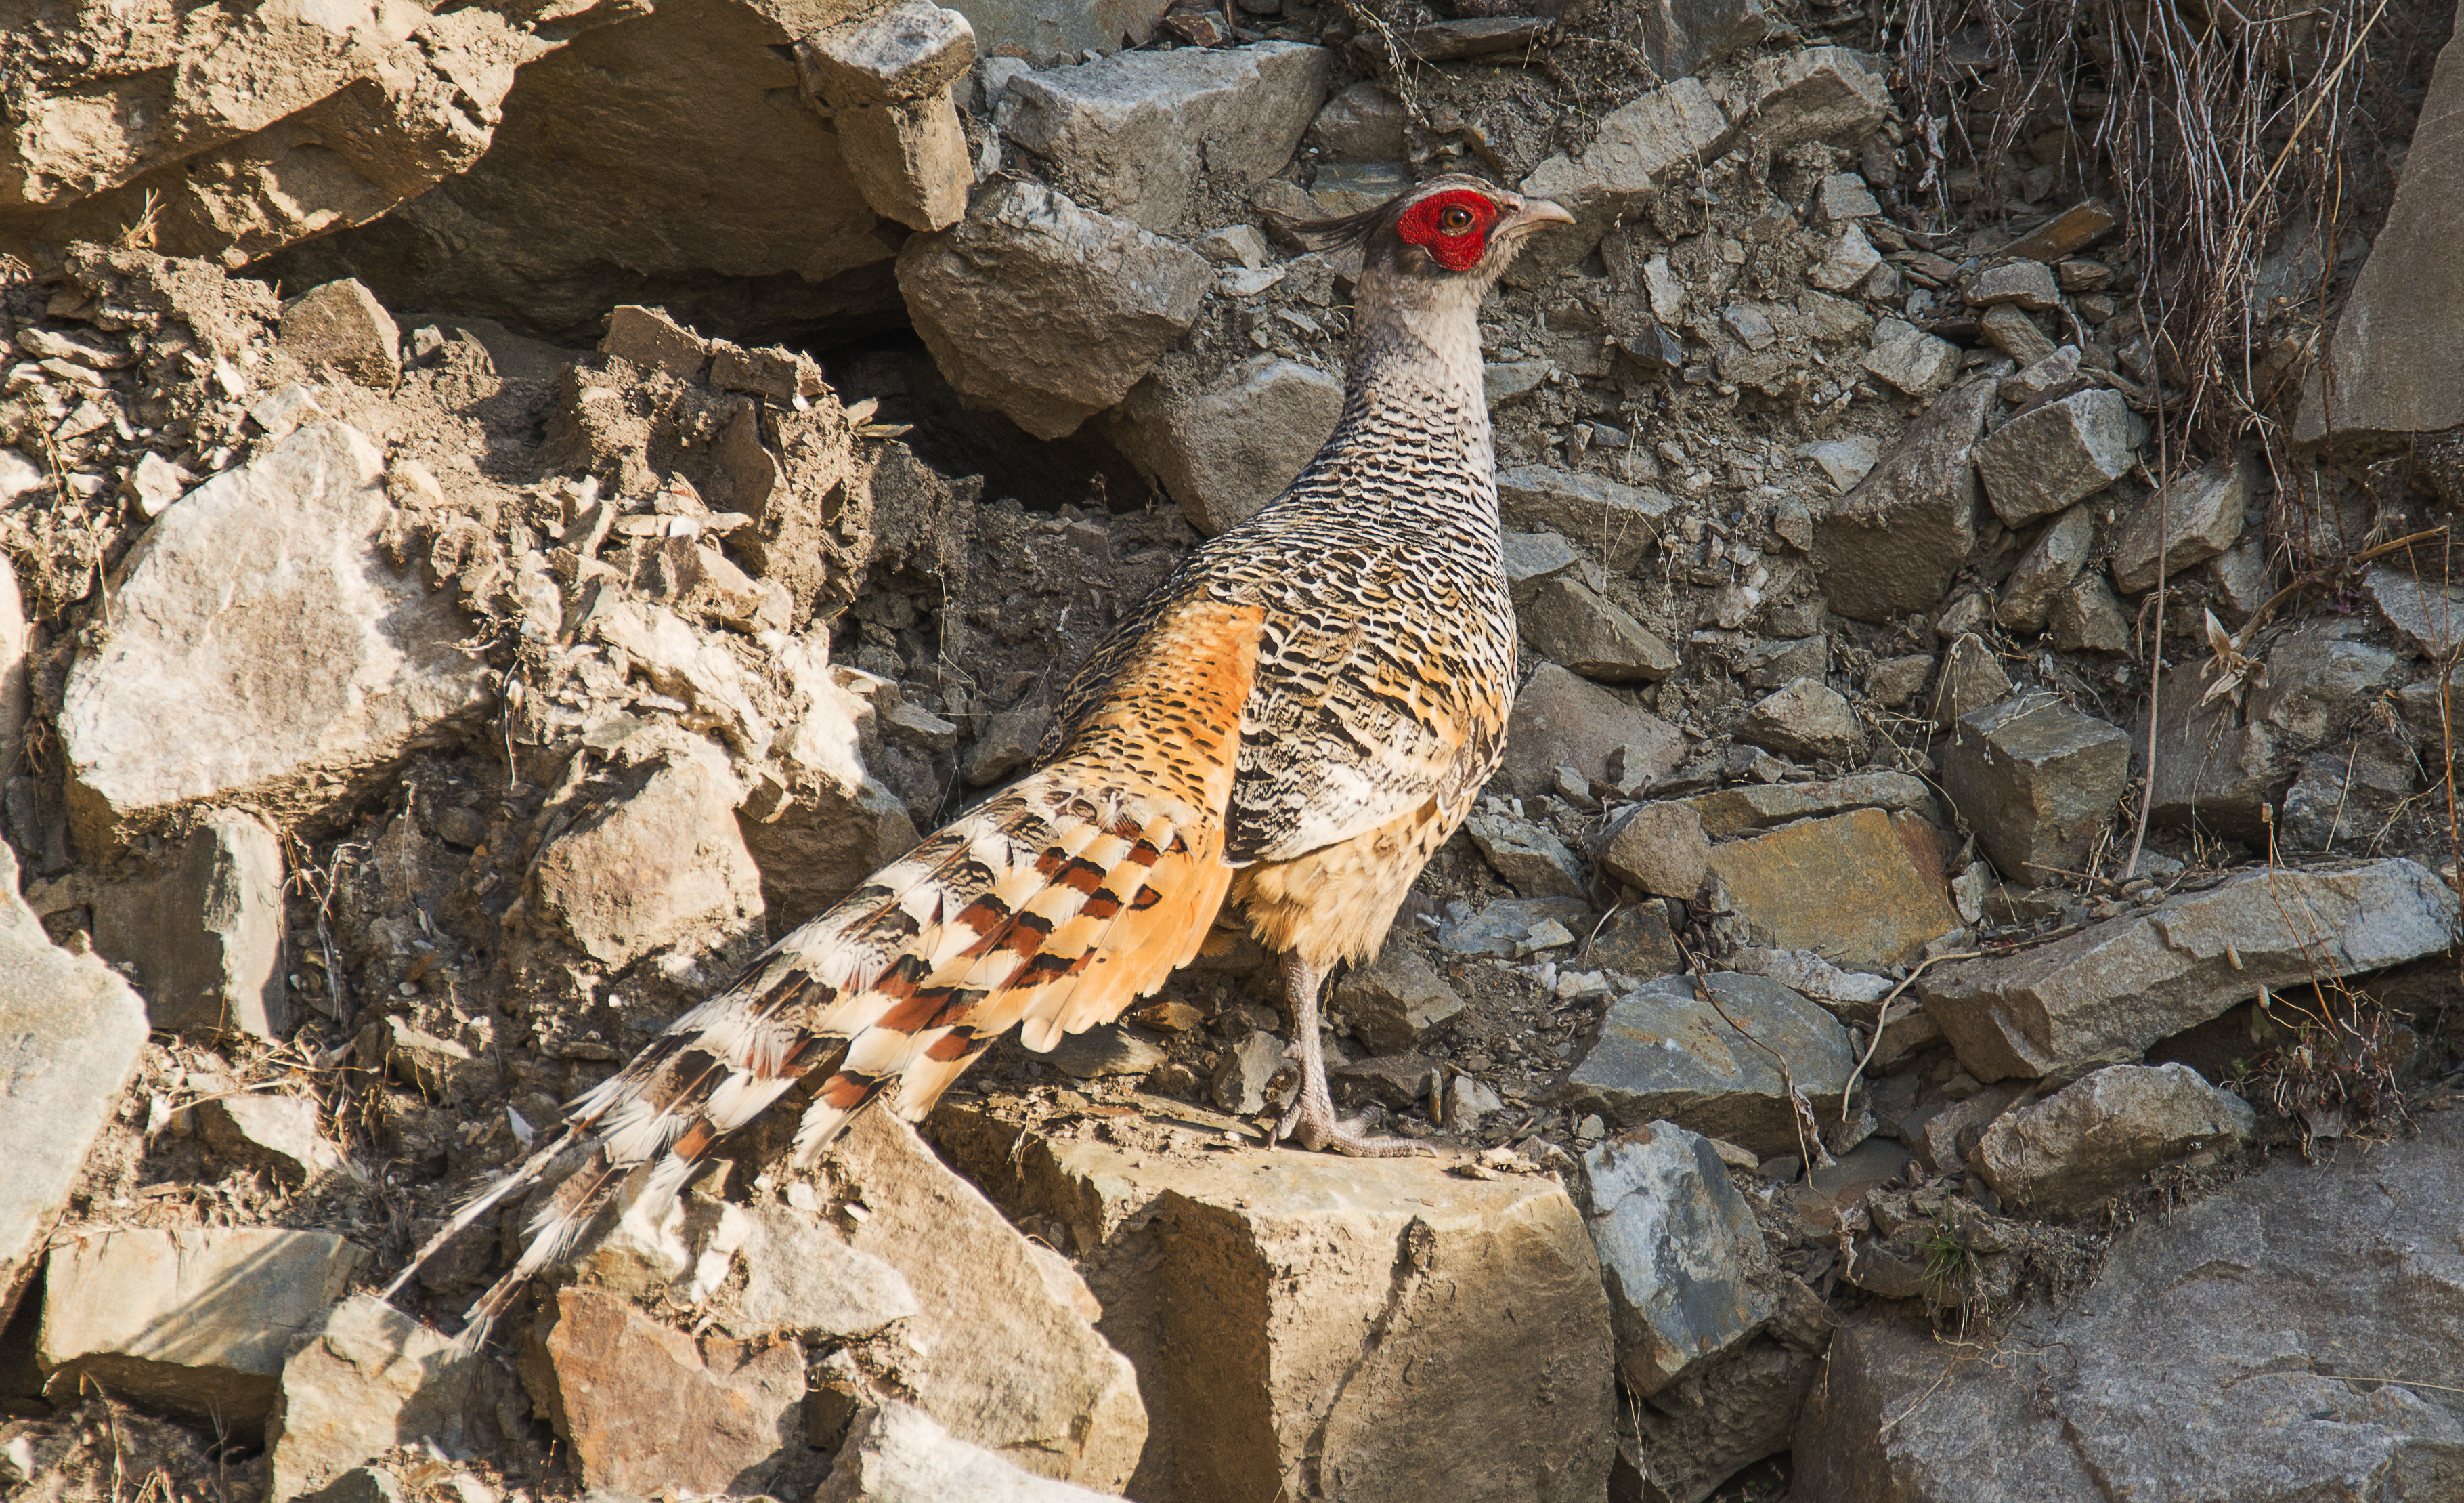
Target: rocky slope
[[507, 510]]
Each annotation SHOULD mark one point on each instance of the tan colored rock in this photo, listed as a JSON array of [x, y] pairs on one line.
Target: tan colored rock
[[1400, 1332], [260, 617], [1397, 1001], [650, 338], [645, 1408], [1660, 849], [1862, 889], [660, 867], [1740, 808], [885, 79], [615, 140], [75, 1032], [342, 324], [371, 1380], [1006, 1360], [204, 938], [896, 1454], [195, 1321], [294, 121]]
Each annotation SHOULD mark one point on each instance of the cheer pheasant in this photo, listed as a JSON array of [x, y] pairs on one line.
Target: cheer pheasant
[[1290, 726]]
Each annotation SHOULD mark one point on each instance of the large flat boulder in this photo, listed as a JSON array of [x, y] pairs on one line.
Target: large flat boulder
[[604, 185], [2294, 1336], [260, 617], [1367, 1329], [2108, 993]]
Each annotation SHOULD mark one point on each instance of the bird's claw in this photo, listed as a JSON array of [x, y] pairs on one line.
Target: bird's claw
[[1312, 1124]]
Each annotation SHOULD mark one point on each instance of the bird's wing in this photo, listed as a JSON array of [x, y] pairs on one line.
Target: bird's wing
[[1346, 727], [1049, 907]]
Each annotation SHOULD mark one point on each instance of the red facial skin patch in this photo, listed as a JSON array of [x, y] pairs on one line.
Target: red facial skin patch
[[1454, 240]]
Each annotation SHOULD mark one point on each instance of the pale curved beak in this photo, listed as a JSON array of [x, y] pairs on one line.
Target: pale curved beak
[[1538, 211]]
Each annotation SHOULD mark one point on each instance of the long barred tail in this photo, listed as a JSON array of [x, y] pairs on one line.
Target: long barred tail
[[1050, 907]]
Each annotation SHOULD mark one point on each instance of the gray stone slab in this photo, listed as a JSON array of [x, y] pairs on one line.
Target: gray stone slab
[[1684, 1264], [2108, 994], [1663, 1051]]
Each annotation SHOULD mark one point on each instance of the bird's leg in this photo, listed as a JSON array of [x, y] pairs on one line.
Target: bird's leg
[[1311, 1121]]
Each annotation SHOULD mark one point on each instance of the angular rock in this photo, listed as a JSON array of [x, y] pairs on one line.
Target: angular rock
[[342, 324], [2041, 461], [1561, 721], [1941, 1139], [1040, 1387], [1862, 889], [2110, 994], [2035, 780], [1533, 559], [886, 79], [1410, 1334], [1633, 150], [1680, 36], [803, 1279], [1892, 545], [1844, 461], [896, 1454], [370, 1379], [276, 1132], [205, 938], [2086, 617], [1044, 310], [2428, 615], [1516, 926], [662, 867], [259, 616], [296, 123], [14, 681], [1663, 1051], [1685, 1266], [1225, 451], [650, 338], [1531, 857], [1634, 941], [611, 142], [1566, 622], [1844, 196], [2394, 368], [1850, 260], [1815, 93], [1660, 849], [194, 1320], [1808, 718], [2046, 571], [2057, 374], [1971, 679], [74, 1033], [2028, 284], [2203, 1364], [1144, 133], [1246, 1071], [1043, 33], [1363, 123], [1758, 806], [2345, 801], [2009, 330], [644, 1406], [1603, 519], [1397, 1001], [2202, 516], [2104, 1131], [1894, 681], [1909, 360]]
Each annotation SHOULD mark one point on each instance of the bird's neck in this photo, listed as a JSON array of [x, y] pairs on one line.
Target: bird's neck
[[1414, 386]]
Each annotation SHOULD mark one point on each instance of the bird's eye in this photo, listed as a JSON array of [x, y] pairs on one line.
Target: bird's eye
[[1455, 220]]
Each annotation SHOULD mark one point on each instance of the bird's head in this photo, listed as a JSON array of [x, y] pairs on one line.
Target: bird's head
[[1449, 231]]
